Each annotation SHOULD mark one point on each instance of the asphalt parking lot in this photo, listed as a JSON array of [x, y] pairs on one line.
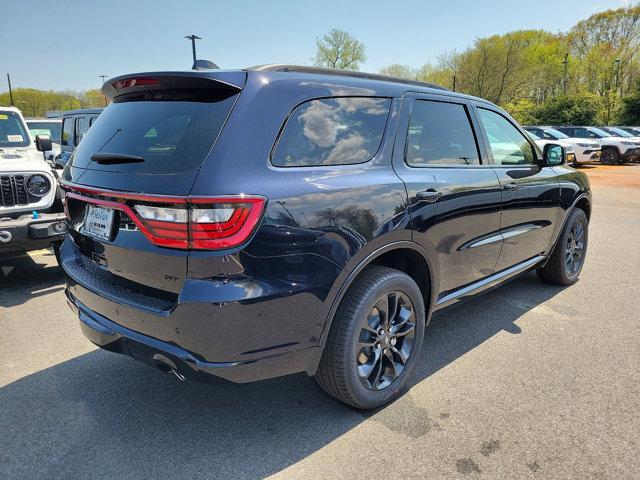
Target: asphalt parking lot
[[528, 381]]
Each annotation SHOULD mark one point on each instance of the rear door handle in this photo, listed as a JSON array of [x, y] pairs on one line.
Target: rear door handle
[[511, 186], [431, 195]]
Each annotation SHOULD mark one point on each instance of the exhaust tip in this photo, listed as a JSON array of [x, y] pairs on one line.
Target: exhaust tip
[[167, 366]]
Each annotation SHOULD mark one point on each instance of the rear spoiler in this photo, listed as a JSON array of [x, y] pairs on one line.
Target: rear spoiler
[[222, 80]]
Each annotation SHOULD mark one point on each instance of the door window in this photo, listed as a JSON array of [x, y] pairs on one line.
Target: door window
[[508, 145], [82, 125], [67, 131], [440, 134]]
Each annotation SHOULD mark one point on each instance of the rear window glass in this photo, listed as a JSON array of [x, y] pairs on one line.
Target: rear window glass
[[332, 131], [12, 131], [173, 131]]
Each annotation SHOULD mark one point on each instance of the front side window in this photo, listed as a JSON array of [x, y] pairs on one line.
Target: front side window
[[440, 134], [12, 131], [508, 145], [332, 131], [67, 131]]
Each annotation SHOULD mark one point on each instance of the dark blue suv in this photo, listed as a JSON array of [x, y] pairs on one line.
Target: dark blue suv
[[278, 219]]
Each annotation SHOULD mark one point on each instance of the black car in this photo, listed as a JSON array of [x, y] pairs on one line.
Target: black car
[[279, 219], [75, 123]]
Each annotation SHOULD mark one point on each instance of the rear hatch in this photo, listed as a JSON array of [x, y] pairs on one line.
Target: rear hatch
[[128, 180]]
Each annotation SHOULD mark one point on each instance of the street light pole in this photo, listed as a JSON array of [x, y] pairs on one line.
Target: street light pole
[[103, 77], [193, 39], [10, 91], [617, 62], [566, 64]]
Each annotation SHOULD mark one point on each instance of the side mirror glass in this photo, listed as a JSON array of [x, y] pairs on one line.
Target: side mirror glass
[[43, 143], [553, 155]]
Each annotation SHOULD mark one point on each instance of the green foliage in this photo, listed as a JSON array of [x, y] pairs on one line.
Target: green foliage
[[338, 49], [578, 109], [523, 110], [630, 114], [35, 103], [400, 71]]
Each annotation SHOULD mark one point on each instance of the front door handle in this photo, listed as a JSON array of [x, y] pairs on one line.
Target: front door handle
[[511, 186], [431, 195]]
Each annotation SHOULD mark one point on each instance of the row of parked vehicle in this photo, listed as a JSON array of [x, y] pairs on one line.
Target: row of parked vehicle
[[584, 144]]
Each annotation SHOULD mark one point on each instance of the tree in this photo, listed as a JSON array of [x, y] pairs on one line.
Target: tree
[[630, 114], [578, 109], [400, 71], [338, 49]]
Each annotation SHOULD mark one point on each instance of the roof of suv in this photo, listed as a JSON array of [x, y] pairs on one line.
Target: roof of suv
[[81, 111], [347, 78]]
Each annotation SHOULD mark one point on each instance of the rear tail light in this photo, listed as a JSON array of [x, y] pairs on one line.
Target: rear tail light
[[188, 223]]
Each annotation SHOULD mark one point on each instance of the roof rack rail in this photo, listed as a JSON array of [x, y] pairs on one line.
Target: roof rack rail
[[275, 67]]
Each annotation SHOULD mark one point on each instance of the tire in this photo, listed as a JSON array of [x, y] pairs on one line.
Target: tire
[[559, 269], [342, 371], [610, 156]]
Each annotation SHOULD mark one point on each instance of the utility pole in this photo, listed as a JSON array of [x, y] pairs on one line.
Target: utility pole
[[103, 77], [10, 91], [454, 82], [193, 39], [566, 64], [617, 62]]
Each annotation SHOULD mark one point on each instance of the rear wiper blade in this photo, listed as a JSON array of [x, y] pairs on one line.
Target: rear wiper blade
[[115, 158]]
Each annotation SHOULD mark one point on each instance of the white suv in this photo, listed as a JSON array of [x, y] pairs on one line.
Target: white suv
[[614, 149], [585, 150], [31, 213]]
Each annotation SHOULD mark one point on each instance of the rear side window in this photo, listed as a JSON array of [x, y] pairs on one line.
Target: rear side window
[[332, 131], [173, 131], [67, 131], [440, 134]]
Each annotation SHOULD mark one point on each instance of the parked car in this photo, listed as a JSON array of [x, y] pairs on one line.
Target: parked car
[[570, 156], [614, 149], [279, 219], [75, 123], [585, 151], [620, 133], [635, 131], [31, 214], [47, 126]]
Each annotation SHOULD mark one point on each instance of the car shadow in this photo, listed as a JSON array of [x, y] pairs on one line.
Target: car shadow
[[27, 277], [107, 415]]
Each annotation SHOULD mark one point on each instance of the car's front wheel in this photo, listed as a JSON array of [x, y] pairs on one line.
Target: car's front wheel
[[375, 339], [567, 258]]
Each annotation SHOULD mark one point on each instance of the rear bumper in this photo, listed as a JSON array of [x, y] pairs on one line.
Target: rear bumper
[[236, 331], [168, 357], [26, 233]]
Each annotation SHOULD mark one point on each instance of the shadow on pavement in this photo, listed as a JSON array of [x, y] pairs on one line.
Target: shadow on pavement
[[28, 276], [102, 414]]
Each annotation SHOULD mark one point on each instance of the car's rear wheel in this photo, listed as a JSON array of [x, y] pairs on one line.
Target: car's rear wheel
[[375, 339], [567, 258]]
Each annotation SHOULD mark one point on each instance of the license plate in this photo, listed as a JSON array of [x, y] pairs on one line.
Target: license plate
[[98, 222]]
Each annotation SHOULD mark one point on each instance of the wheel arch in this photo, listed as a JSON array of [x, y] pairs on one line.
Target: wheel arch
[[405, 256]]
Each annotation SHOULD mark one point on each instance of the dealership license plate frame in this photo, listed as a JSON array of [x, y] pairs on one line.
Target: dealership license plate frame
[[98, 222]]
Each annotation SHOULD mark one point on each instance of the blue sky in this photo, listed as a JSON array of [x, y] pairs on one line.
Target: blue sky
[[66, 44]]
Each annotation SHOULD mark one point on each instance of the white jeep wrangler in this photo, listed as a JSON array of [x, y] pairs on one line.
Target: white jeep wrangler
[[31, 210]]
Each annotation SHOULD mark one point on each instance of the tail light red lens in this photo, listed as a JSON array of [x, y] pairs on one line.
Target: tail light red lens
[[185, 222]]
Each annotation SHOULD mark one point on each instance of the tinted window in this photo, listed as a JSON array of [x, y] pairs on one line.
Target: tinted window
[[332, 131], [440, 134], [173, 131], [508, 145], [53, 129], [67, 131], [537, 132], [82, 125], [12, 131]]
